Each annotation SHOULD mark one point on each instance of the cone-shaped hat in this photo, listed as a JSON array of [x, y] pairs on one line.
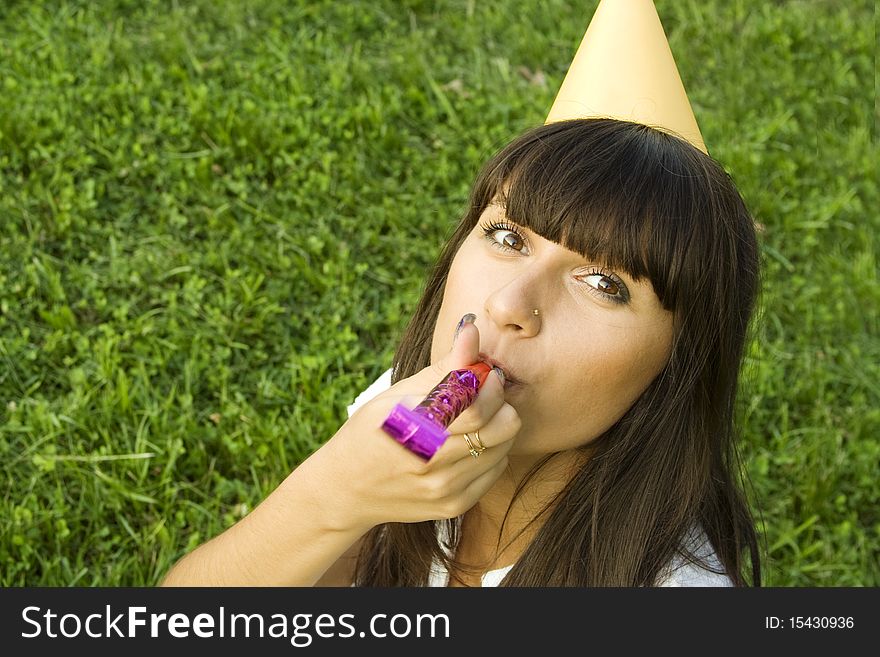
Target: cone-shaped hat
[[624, 69]]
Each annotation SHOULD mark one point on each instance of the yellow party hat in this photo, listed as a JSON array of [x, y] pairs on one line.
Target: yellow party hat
[[624, 70]]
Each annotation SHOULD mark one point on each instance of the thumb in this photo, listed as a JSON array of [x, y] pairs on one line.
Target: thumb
[[465, 347]]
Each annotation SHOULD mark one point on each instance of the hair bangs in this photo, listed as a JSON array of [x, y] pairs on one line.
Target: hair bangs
[[626, 202]]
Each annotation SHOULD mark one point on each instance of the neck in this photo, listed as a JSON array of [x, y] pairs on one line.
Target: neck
[[482, 527]]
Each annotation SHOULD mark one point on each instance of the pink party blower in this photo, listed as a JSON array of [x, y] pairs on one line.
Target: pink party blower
[[422, 430]]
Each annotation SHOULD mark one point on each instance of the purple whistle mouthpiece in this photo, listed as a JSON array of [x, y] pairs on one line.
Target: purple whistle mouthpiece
[[422, 429]]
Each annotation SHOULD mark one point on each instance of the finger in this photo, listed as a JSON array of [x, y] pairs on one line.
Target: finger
[[465, 351], [486, 402], [486, 405], [489, 400], [467, 469], [501, 429]]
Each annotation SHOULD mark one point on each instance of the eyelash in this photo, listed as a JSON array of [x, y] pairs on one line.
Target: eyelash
[[490, 229]]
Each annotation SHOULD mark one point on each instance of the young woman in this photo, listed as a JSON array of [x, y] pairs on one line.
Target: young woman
[[609, 270]]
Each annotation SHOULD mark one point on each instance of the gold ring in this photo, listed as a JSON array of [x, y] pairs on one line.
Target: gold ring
[[475, 451], [479, 442]]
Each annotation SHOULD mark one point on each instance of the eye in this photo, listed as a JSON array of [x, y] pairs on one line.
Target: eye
[[508, 242], [607, 285]]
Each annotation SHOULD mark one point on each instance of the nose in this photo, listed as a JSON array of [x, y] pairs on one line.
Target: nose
[[514, 303]]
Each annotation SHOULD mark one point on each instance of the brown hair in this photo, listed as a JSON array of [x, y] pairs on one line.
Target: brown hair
[[648, 203]]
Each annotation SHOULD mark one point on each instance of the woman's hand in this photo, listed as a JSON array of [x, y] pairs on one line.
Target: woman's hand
[[371, 479], [359, 479]]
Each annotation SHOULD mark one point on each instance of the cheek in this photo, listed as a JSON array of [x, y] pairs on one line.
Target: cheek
[[646, 363], [622, 358], [611, 372], [634, 371]]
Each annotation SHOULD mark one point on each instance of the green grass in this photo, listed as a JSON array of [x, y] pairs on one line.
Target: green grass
[[217, 217]]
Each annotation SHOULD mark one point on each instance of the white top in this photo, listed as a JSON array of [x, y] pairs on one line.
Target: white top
[[378, 386], [678, 573]]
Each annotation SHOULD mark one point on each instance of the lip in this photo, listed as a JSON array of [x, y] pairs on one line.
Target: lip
[[510, 377]]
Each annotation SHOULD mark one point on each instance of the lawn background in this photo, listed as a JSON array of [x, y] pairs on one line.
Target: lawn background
[[217, 217]]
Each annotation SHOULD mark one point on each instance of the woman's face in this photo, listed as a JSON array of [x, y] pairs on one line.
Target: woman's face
[[599, 339]]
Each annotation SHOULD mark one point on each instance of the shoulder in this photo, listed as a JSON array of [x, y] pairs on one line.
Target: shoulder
[[703, 569], [689, 574]]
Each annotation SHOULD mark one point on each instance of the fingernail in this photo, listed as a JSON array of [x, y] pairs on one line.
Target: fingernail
[[469, 318], [500, 373]]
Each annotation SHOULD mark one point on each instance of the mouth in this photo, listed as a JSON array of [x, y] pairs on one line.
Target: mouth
[[510, 378]]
